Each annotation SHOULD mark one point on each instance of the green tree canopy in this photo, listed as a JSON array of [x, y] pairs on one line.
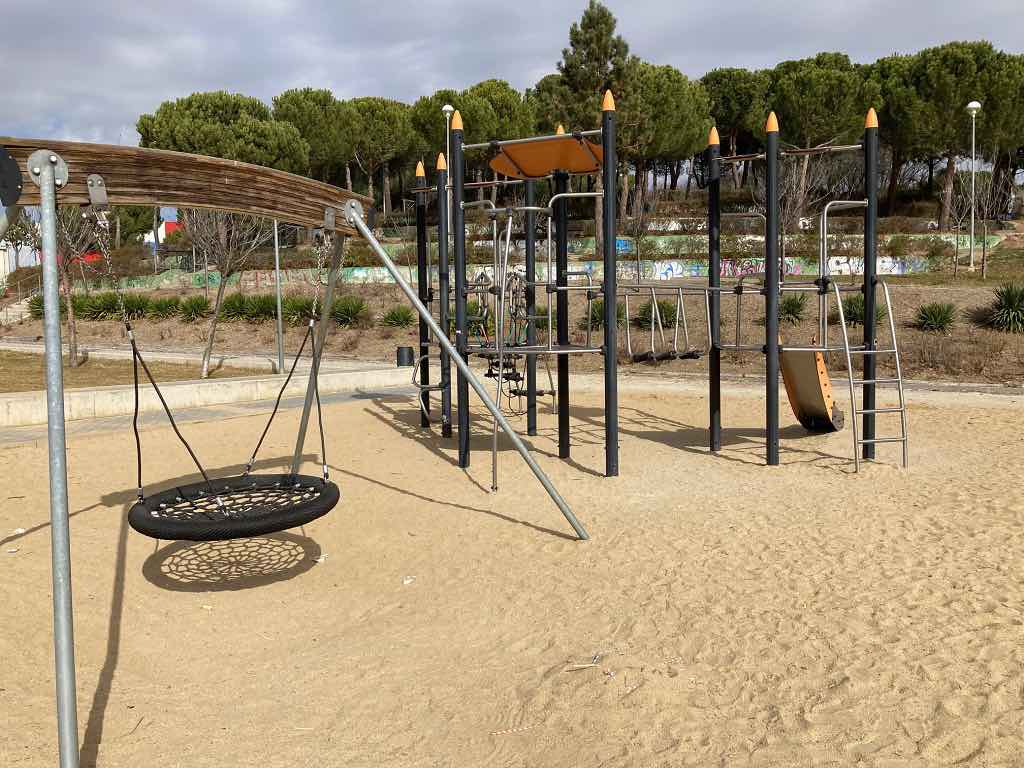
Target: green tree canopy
[[678, 113], [737, 103], [386, 133], [547, 101], [821, 99], [228, 125], [513, 118], [328, 125]]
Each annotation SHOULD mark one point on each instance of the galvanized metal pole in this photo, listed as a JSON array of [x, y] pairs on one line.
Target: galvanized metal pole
[[974, 166], [354, 216], [277, 291], [321, 337], [771, 291], [560, 213], [530, 226], [459, 227], [714, 297], [48, 170], [443, 293], [870, 277], [609, 179], [423, 286]]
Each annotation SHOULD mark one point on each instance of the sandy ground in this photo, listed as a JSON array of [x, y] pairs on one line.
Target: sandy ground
[[723, 613]]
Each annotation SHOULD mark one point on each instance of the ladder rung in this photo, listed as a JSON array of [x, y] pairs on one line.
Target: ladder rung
[[872, 351], [874, 381], [883, 440], [879, 410]]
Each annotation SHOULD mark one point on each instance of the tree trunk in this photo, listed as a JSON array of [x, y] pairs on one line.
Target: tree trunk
[[746, 173], [984, 249], [348, 176], [801, 198], [598, 215], [212, 328], [676, 169], [894, 180], [494, 189], [931, 175], [689, 181], [69, 303], [638, 185], [117, 231], [734, 167], [385, 185], [624, 191], [947, 192]]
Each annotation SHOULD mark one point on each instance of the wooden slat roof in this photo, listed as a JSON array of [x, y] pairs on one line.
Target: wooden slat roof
[[137, 176]]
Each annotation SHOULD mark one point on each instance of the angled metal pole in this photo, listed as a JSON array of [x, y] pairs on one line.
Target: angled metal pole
[[354, 215], [443, 269], [321, 337], [609, 180], [771, 291], [277, 292], [715, 281], [49, 171], [530, 226]]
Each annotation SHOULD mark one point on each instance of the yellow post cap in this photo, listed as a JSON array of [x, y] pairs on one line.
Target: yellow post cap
[[608, 103], [772, 124], [442, 164], [560, 129], [713, 140], [419, 170], [457, 121], [871, 121]]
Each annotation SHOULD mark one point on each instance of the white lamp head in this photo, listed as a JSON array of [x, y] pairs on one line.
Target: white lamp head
[[448, 109], [974, 108]]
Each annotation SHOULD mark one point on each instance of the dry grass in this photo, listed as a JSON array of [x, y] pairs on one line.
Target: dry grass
[[23, 372]]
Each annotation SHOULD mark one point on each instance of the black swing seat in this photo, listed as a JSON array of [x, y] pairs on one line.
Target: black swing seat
[[234, 507]]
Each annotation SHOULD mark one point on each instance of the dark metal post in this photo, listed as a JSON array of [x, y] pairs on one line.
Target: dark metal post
[[870, 277], [771, 290], [715, 281], [461, 339], [443, 293], [279, 326], [49, 172], [530, 224], [609, 178], [561, 214], [423, 289]]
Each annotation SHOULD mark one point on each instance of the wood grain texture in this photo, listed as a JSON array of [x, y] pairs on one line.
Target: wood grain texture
[[137, 176]]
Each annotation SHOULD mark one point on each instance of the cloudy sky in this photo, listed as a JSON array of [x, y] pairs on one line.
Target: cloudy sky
[[93, 66]]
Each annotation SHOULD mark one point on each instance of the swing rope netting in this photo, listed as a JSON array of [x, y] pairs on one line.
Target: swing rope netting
[[233, 507]]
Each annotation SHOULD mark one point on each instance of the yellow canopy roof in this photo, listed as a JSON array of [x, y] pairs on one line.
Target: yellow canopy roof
[[537, 159]]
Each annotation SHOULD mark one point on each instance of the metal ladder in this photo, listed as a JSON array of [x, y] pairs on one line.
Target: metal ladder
[[894, 350]]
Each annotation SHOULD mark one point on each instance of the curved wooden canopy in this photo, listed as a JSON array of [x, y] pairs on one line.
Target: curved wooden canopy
[[137, 176], [537, 159]]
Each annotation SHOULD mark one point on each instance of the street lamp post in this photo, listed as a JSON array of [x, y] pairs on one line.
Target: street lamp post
[[973, 108]]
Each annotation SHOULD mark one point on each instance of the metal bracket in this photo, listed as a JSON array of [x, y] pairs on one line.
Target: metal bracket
[[97, 192], [39, 158], [353, 211], [329, 219], [11, 182]]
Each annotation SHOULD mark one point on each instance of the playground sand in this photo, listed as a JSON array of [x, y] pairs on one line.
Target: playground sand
[[723, 613]]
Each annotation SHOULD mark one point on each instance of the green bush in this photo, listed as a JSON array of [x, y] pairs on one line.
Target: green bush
[[474, 309], [135, 306], [938, 252], [898, 246], [666, 309], [399, 316], [98, 306], [351, 312], [792, 307], [853, 310], [937, 316], [192, 309], [297, 309], [597, 315], [35, 307], [163, 308], [1006, 312], [260, 307], [232, 307]]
